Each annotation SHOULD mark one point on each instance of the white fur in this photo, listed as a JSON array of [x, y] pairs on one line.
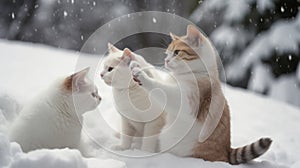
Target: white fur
[[180, 134], [51, 121], [182, 129], [141, 116]]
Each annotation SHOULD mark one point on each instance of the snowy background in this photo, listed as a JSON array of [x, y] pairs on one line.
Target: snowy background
[[253, 116], [258, 42]]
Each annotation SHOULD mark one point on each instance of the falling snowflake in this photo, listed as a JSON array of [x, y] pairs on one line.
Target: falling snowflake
[[154, 20], [65, 14], [13, 15]]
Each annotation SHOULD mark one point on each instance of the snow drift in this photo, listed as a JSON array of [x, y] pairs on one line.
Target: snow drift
[[26, 69]]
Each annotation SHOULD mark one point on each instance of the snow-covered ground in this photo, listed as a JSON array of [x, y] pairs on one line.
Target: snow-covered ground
[[26, 69]]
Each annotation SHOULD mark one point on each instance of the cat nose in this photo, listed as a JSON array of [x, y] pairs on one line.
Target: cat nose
[[101, 75], [99, 98], [167, 60]]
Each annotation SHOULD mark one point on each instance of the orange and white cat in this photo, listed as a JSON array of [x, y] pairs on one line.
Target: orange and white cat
[[52, 120], [140, 116], [200, 127]]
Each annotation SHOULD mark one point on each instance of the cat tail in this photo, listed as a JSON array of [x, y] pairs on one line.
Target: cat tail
[[249, 152]]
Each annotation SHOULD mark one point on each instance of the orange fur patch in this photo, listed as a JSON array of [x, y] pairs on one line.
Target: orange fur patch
[[217, 146], [68, 82], [185, 51]]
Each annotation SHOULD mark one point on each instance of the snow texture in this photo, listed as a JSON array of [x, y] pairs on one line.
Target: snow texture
[[263, 5], [26, 69], [283, 37], [228, 39], [260, 79], [298, 73], [225, 35], [236, 10], [247, 50], [12, 156], [286, 89]]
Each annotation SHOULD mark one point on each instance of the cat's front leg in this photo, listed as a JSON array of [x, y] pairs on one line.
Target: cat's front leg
[[150, 137], [140, 76], [126, 136]]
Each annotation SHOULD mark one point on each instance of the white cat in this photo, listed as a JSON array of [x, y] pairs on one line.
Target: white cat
[[52, 120], [198, 118], [141, 116]]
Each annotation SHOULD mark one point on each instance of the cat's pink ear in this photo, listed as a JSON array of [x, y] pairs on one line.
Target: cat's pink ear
[[193, 35], [77, 80], [112, 48], [174, 37], [127, 55]]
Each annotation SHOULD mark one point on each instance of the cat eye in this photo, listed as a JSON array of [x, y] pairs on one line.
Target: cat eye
[[176, 52], [94, 94], [110, 69]]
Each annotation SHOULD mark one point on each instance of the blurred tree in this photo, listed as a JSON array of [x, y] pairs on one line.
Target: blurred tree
[[68, 23], [14, 14], [258, 41]]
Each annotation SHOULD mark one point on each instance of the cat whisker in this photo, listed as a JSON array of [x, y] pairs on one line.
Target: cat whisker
[[164, 42]]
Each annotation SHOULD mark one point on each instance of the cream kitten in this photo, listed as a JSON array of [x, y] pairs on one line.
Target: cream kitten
[[141, 116], [52, 120], [203, 119]]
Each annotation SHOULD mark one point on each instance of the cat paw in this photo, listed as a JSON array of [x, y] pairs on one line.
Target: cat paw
[[134, 64], [136, 73], [135, 70], [140, 77]]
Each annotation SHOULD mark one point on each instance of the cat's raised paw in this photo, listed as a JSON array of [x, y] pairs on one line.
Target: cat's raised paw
[[134, 64], [138, 75]]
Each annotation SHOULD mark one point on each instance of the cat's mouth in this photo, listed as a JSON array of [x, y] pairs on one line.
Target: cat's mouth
[[167, 65]]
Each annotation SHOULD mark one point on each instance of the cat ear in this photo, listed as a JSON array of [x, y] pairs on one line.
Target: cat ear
[[193, 35], [127, 55], [112, 48], [79, 79], [76, 80], [174, 37]]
